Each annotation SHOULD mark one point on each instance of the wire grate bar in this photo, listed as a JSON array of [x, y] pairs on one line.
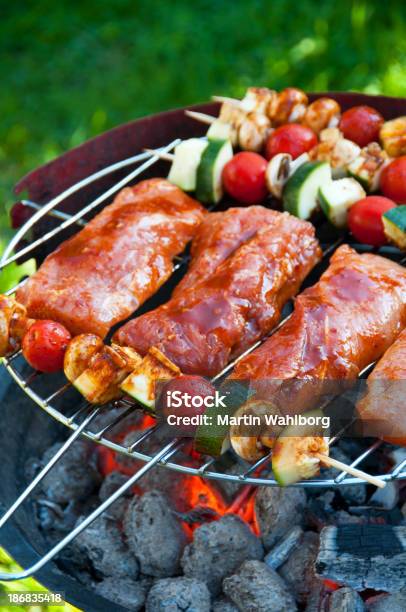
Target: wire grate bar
[[7, 259], [115, 422], [256, 465], [359, 459]]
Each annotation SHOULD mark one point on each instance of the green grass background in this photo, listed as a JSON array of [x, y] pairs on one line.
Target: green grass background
[[70, 70]]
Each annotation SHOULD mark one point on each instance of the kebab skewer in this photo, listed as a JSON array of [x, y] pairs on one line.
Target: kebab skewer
[[339, 326]]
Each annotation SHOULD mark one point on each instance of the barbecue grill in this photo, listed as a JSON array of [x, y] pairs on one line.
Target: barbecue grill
[[93, 170]]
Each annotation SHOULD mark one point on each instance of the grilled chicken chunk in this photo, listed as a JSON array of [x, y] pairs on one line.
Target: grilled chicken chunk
[[383, 407], [339, 325], [208, 324], [106, 271]]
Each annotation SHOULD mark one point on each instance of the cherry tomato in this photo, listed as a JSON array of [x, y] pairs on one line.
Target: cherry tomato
[[291, 138], [365, 219], [361, 124], [191, 392], [393, 180], [244, 177], [44, 345]]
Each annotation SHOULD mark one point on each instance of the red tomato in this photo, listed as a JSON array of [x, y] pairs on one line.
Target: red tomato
[[244, 177], [291, 138], [44, 345], [191, 391], [393, 180], [365, 219], [361, 124]]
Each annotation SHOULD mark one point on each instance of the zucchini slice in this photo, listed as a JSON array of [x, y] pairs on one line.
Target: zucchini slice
[[337, 197], [302, 188], [394, 225], [209, 181], [100, 382], [187, 159], [220, 130], [214, 439], [140, 384], [293, 454]]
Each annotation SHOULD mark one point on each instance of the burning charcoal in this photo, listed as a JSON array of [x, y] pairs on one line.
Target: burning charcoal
[[364, 556], [154, 535], [102, 544], [347, 600], [178, 594], [108, 415], [258, 588], [110, 485], [222, 604], [74, 476], [298, 570], [388, 603], [280, 553], [277, 510], [317, 600], [124, 592], [217, 550]]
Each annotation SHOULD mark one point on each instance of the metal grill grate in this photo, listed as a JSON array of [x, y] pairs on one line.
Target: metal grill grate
[[81, 419]]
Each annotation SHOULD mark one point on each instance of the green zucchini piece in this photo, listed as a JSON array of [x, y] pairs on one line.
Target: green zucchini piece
[[302, 188], [394, 225], [337, 197], [187, 159], [214, 439], [141, 383], [209, 181], [219, 130], [293, 454]]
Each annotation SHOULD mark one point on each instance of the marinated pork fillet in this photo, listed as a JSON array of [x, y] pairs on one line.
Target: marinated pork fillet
[[106, 271], [383, 407], [340, 325], [210, 323], [218, 236]]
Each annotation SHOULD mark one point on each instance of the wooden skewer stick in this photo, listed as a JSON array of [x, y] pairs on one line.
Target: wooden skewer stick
[[202, 117], [226, 99], [351, 470], [166, 156]]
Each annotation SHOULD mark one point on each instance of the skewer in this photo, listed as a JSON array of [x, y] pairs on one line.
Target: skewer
[[166, 156], [202, 117], [351, 470], [227, 99]]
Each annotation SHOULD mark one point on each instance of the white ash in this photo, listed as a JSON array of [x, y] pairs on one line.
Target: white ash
[[298, 570], [124, 592], [255, 587], [101, 543], [110, 485], [154, 535], [223, 604], [74, 477], [217, 550], [178, 595], [388, 603], [284, 548], [277, 511], [347, 600]]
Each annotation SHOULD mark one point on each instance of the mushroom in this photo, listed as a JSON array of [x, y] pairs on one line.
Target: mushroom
[[280, 169], [78, 354], [252, 447], [14, 323], [258, 99]]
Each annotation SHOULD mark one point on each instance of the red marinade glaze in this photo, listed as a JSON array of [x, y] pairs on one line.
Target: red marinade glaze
[[208, 324], [339, 326], [101, 275]]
